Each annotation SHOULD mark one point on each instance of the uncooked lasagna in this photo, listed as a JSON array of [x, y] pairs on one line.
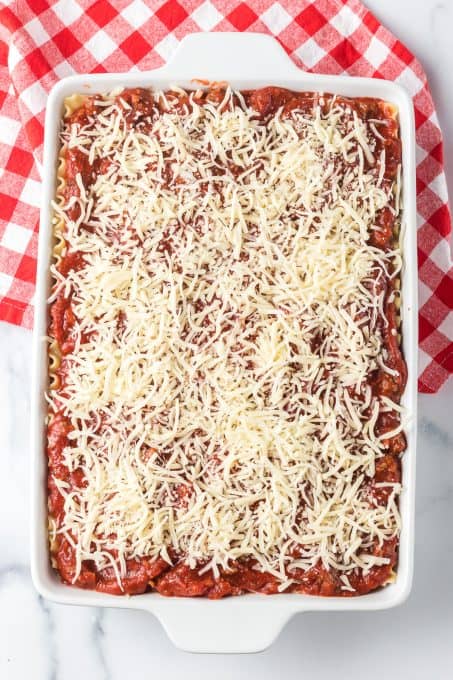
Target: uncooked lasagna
[[225, 363]]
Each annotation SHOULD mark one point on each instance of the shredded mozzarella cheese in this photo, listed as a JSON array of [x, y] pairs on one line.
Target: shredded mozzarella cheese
[[229, 318]]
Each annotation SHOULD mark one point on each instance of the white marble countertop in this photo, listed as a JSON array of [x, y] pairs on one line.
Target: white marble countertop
[[414, 640]]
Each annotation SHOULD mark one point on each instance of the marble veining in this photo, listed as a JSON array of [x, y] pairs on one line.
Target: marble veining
[[437, 433], [98, 639], [50, 628], [37, 638]]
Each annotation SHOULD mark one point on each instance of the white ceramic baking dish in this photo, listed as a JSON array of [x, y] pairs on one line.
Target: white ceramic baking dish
[[252, 622]]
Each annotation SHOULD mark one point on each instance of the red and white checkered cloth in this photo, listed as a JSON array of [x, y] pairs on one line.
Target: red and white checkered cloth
[[43, 41]]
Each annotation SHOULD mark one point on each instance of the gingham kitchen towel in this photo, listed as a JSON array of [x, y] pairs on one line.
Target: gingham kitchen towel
[[41, 41]]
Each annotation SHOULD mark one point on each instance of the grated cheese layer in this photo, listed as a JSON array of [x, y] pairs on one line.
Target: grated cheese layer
[[230, 316]]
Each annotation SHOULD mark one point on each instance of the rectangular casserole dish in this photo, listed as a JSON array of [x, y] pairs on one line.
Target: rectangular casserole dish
[[249, 623]]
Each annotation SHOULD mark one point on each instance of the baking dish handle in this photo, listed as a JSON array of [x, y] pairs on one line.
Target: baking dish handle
[[222, 627], [215, 56]]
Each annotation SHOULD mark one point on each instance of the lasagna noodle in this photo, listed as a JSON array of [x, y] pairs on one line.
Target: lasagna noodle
[[71, 105], [54, 353], [392, 112], [58, 249]]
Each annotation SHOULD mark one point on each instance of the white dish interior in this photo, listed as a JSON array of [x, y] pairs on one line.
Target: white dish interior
[[251, 622]]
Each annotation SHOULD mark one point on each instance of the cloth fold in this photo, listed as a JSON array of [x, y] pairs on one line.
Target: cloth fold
[[41, 42]]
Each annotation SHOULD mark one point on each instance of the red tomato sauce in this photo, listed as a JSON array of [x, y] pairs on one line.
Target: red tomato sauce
[[178, 579]]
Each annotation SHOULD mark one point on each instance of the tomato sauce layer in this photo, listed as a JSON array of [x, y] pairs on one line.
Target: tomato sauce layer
[[177, 579]]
